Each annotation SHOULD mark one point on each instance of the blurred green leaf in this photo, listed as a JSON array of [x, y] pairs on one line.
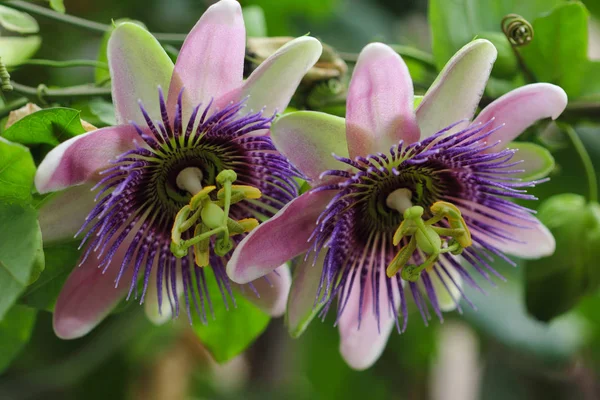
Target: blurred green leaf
[[281, 13], [502, 314], [49, 126], [103, 110], [537, 164], [254, 20], [58, 5], [233, 330], [455, 23], [15, 50], [20, 238], [60, 259], [16, 172], [15, 331], [558, 52], [17, 21], [555, 284]]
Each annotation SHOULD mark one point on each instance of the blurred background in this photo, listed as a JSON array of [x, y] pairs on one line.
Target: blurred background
[[495, 352]]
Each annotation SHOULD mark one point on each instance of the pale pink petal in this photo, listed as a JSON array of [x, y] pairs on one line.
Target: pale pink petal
[[211, 60], [279, 239], [271, 86], [520, 108], [272, 291], [522, 236], [301, 307], [63, 214], [447, 289], [159, 315], [362, 345], [308, 139], [88, 296], [79, 159], [138, 66], [379, 110], [457, 90]]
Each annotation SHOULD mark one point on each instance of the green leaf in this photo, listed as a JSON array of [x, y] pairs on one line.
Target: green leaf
[[502, 314], [538, 162], [17, 21], [233, 330], [254, 20], [15, 50], [555, 284], [455, 23], [20, 238], [16, 173], [558, 52], [103, 110], [50, 126], [15, 331], [58, 5], [61, 258]]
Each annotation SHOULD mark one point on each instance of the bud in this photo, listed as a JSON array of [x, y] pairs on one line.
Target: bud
[[329, 65]]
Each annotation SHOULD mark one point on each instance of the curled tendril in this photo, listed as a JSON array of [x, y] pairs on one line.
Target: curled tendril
[[517, 29], [4, 78], [323, 91]]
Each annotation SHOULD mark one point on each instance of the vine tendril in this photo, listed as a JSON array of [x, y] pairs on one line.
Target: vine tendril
[[517, 29]]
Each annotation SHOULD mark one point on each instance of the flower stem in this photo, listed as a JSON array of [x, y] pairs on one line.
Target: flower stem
[[82, 22], [13, 105], [42, 93], [585, 159], [65, 64]]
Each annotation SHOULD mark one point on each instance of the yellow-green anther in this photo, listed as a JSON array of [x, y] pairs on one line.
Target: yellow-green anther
[[401, 258], [455, 219], [202, 196], [180, 218], [201, 249]]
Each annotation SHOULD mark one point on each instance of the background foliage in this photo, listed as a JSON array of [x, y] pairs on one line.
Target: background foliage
[[535, 336]]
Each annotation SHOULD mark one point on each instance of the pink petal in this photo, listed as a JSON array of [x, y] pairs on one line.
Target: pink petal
[[379, 109], [64, 213], [457, 90], [362, 345], [88, 296], [520, 108], [138, 66], [308, 139], [211, 60], [156, 315], [271, 86], [279, 239], [301, 307], [78, 160], [529, 239], [272, 290]]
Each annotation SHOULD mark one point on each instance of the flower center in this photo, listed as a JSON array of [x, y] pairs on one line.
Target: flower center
[[210, 217]]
